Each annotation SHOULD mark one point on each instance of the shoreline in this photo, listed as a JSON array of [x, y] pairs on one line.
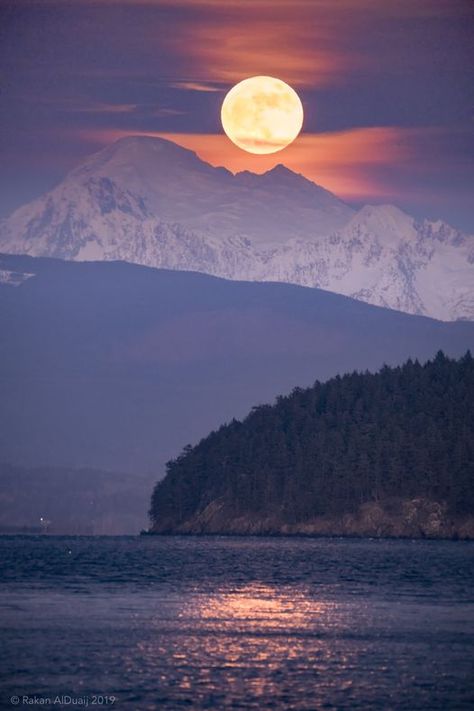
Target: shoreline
[[354, 536]]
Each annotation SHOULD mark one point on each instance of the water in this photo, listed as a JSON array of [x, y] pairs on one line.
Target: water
[[235, 623]]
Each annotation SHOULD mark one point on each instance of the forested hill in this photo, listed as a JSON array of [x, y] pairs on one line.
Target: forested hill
[[390, 453]]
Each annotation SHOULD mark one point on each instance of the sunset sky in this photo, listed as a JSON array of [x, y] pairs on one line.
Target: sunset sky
[[387, 88]]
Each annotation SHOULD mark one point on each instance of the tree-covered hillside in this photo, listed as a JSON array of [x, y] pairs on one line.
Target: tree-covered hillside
[[400, 434]]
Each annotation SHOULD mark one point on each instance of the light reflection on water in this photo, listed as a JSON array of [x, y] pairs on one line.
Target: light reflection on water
[[198, 624], [256, 608], [282, 647], [252, 643]]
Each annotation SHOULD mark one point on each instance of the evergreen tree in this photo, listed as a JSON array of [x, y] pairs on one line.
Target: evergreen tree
[[403, 432]]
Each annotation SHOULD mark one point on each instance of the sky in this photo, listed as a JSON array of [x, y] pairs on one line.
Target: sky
[[387, 88]]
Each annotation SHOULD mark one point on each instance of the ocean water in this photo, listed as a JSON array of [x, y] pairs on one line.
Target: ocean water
[[236, 623]]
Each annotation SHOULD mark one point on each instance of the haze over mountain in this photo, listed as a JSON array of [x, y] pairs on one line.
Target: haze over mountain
[[117, 366], [148, 201], [62, 500]]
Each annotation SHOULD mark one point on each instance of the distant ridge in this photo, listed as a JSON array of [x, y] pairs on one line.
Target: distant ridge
[[61, 500], [115, 366]]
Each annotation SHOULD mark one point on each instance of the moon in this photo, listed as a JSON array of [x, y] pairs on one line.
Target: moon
[[262, 114]]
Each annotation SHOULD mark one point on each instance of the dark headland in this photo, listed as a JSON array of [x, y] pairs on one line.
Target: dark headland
[[389, 454]]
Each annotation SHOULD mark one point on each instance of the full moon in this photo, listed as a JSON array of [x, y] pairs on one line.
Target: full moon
[[262, 114]]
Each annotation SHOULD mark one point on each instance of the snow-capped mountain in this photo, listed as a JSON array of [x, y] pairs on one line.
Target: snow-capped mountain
[[138, 178], [384, 257], [149, 201]]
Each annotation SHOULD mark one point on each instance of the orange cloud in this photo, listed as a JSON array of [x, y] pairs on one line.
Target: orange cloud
[[227, 41], [347, 162], [307, 43], [429, 8], [341, 161]]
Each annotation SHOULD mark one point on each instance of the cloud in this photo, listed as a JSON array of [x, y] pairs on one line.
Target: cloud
[[195, 86], [233, 42], [427, 8], [347, 162], [86, 106], [82, 105], [371, 164], [309, 43], [143, 65], [342, 161]]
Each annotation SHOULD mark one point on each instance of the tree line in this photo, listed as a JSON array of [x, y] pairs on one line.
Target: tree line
[[404, 432]]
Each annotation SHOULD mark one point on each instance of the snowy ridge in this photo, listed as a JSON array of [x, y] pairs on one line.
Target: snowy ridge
[[152, 202]]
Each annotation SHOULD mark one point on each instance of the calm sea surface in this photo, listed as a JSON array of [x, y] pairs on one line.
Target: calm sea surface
[[235, 623]]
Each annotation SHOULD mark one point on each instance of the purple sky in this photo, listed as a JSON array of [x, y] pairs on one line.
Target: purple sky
[[387, 87]]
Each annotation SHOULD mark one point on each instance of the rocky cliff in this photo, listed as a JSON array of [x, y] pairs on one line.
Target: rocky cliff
[[392, 518]]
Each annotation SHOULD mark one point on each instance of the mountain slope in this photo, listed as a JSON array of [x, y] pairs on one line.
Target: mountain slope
[[116, 366], [149, 201], [139, 177], [384, 257], [384, 454]]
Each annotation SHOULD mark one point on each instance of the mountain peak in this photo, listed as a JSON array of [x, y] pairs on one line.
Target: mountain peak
[[385, 210], [177, 186], [154, 144], [139, 151], [280, 169], [148, 200], [282, 172], [386, 221], [282, 178]]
